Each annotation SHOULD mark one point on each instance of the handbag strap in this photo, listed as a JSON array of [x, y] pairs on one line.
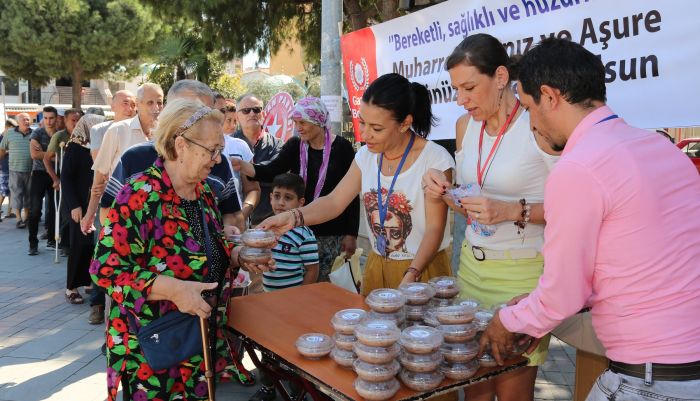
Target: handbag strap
[[352, 276]]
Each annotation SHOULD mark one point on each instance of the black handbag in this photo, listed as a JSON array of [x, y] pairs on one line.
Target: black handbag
[[175, 336]]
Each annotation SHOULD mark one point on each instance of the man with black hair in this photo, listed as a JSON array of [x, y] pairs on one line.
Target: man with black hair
[[622, 207]]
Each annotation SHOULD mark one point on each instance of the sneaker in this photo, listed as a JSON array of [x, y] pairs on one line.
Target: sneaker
[[74, 298], [33, 251], [51, 244], [21, 224], [264, 394], [44, 235], [11, 216], [97, 314]]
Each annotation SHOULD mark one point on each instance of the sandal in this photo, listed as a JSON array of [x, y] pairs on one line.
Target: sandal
[[74, 298]]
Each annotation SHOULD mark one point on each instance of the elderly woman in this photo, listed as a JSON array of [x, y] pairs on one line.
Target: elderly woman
[[321, 159], [152, 257], [76, 178]]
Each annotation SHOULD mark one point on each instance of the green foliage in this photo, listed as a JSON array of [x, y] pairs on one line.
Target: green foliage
[[230, 86], [45, 39], [268, 87]]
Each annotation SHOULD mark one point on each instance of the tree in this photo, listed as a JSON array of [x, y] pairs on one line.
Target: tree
[[230, 86], [83, 39], [363, 13]]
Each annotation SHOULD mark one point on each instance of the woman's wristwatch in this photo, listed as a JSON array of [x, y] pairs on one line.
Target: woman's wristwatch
[[416, 273]]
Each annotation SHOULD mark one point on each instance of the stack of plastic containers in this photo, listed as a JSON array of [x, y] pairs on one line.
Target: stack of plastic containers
[[420, 357], [344, 323], [258, 246], [376, 350], [314, 345], [460, 348], [418, 295], [482, 317], [445, 292], [387, 304]]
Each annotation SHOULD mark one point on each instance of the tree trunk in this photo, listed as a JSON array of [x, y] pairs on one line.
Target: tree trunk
[[358, 17], [77, 77], [389, 9]]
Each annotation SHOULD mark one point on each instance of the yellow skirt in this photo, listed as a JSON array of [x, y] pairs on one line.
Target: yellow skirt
[[387, 273], [494, 282]]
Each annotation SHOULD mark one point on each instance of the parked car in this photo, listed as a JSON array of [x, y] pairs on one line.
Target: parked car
[[691, 147]]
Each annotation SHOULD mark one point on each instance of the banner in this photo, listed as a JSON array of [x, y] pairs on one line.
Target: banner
[[646, 46], [278, 114]]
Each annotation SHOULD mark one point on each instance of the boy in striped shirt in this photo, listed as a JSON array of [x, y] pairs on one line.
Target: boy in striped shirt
[[296, 252]]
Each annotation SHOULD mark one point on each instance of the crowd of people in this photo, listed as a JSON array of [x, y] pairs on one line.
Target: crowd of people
[[575, 209]]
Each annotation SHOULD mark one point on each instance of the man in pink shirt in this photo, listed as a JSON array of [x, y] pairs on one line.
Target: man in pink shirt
[[622, 207]]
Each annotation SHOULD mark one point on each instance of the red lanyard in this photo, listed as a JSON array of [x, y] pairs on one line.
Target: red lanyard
[[479, 169]]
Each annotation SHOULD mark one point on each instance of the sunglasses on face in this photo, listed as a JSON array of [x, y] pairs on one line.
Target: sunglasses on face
[[247, 110]]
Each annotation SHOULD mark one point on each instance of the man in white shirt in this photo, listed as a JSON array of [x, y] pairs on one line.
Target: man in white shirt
[[124, 106]]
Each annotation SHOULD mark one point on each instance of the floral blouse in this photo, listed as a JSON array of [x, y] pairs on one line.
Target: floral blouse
[[146, 235]]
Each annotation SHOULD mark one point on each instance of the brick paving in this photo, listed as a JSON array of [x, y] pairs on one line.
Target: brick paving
[[48, 351]]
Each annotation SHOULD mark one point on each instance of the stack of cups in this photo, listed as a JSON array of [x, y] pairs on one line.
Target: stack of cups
[[344, 323], [446, 292], [376, 365], [258, 246], [387, 304], [418, 296], [420, 357], [482, 318], [460, 349]]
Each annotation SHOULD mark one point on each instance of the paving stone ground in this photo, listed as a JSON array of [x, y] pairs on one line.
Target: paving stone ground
[[48, 351]]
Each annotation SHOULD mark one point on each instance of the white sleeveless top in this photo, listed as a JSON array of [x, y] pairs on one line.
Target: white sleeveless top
[[518, 169], [405, 221]]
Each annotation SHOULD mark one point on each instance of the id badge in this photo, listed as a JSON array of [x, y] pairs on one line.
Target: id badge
[[381, 245]]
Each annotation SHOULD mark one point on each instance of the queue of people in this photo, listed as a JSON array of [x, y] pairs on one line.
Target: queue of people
[[573, 209]]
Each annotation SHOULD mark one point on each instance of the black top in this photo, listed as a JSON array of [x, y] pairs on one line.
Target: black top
[[76, 177], [342, 155]]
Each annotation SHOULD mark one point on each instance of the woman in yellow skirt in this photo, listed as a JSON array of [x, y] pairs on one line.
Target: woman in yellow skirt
[[502, 168], [410, 235]]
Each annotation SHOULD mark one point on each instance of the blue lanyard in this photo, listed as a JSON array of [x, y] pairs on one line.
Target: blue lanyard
[[384, 208], [608, 118]]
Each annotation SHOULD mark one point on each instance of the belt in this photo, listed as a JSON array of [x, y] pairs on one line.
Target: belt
[[482, 254], [658, 371]]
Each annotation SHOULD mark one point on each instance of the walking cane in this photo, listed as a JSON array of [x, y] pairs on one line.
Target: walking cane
[[57, 204], [209, 371]]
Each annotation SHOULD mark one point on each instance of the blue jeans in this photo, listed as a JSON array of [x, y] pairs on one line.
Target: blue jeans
[[458, 233], [612, 386]]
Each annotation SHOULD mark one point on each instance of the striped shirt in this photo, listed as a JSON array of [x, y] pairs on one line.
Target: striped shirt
[[296, 249], [17, 146]]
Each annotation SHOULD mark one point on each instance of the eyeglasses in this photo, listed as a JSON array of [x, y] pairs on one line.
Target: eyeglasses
[[247, 110], [214, 153]]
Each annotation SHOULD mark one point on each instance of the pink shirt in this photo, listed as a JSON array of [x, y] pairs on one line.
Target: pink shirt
[[623, 236]]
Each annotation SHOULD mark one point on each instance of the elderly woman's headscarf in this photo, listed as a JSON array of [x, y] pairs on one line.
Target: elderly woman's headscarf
[[81, 132], [312, 110]]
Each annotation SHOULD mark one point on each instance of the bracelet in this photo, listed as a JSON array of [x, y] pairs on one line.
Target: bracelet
[[416, 273], [524, 216], [296, 218]]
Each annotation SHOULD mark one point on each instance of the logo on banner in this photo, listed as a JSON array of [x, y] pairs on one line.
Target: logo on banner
[[360, 62], [360, 75], [277, 116]]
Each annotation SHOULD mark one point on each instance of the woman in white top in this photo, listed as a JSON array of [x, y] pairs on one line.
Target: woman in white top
[[498, 156], [395, 119]]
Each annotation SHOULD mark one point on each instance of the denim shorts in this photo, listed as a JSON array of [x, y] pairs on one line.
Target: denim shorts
[[618, 387]]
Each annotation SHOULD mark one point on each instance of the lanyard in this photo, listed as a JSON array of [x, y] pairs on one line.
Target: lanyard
[[384, 208], [304, 162], [608, 118], [480, 170]]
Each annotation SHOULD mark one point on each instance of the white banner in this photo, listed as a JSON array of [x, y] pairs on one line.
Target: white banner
[[647, 47]]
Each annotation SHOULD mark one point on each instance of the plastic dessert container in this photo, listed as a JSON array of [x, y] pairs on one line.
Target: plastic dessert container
[[471, 302], [344, 321], [376, 355], [385, 300], [455, 333], [438, 302], [258, 238], [414, 313], [236, 239], [398, 317], [421, 381], [417, 293], [314, 345], [460, 352], [420, 362], [487, 361], [344, 341], [377, 333], [343, 358], [430, 317], [421, 339], [455, 314], [376, 391], [376, 372], [445, 286], [258, 256], [482, 317], [459, 371]]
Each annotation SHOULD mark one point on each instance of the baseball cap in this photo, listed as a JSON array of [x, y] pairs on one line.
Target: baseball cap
[[61, 112]]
